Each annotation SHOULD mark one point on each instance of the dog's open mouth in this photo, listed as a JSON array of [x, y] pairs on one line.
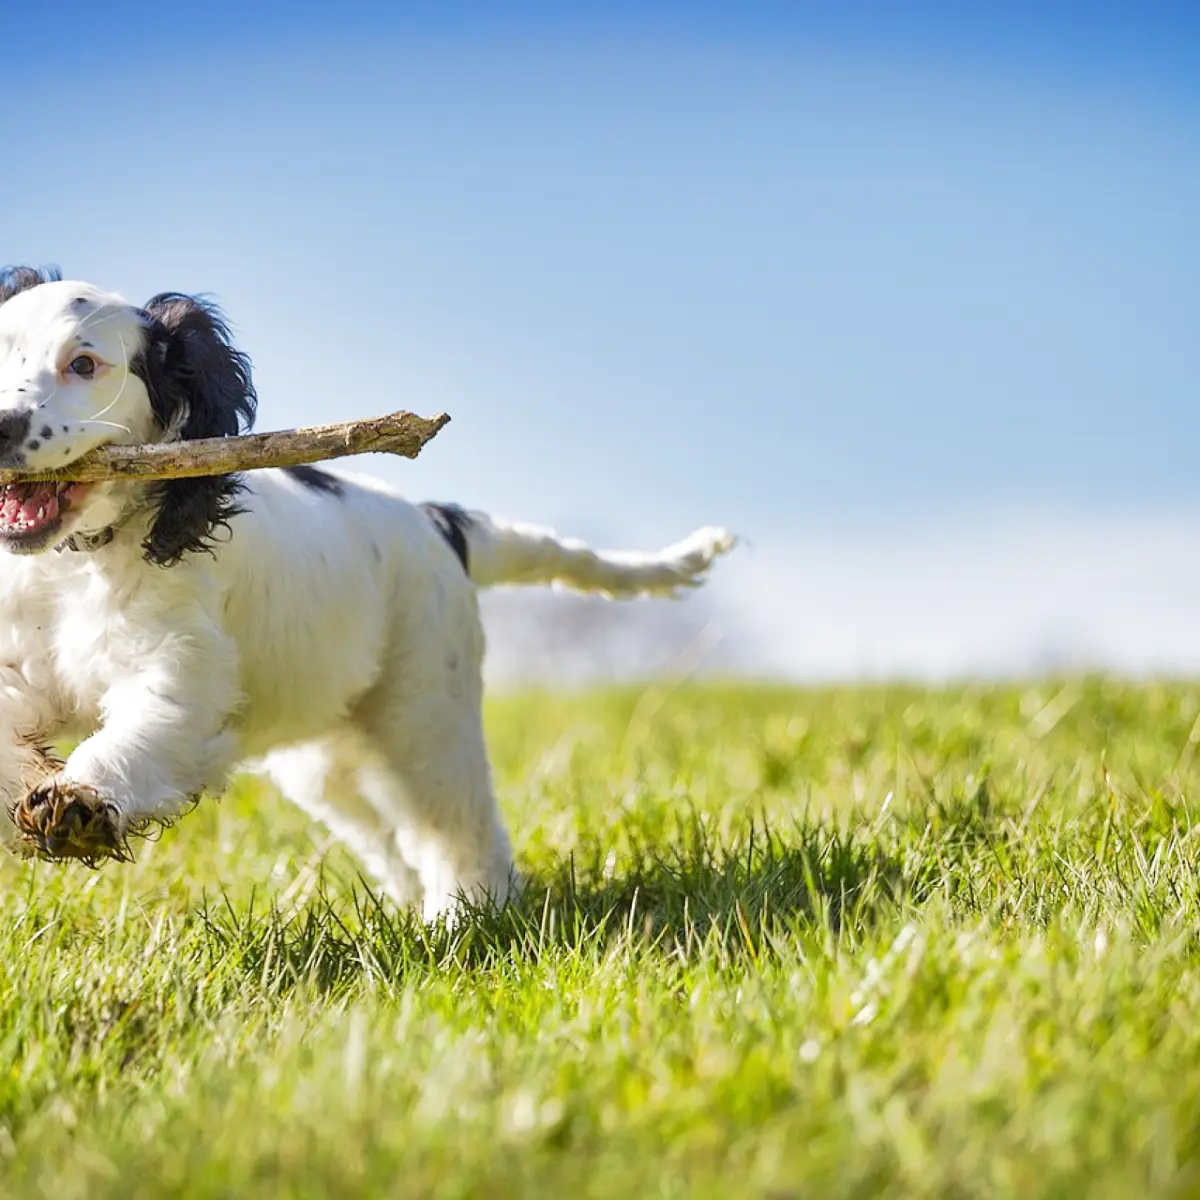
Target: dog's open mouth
[[29, 512]]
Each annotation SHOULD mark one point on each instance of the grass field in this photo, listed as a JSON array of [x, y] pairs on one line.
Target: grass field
[[775, 943]]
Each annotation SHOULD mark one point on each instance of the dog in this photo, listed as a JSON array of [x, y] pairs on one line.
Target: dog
[[316, 628]]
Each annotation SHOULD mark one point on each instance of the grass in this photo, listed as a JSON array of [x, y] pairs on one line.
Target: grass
[[776, 943]]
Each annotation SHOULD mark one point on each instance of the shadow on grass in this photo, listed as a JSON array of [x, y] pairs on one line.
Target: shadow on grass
[[693, 899]]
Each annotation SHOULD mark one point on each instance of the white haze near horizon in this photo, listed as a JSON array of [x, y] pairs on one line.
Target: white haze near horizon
[[1022, 595]]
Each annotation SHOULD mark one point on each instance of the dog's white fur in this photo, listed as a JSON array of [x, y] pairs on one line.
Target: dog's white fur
[[332, 639]]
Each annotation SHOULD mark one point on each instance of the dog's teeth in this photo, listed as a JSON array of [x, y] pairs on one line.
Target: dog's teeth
[[41, 514]]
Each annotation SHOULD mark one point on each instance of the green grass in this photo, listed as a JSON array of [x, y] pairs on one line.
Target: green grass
[[775, 943]]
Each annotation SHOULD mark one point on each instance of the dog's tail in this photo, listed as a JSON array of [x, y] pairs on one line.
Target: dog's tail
[[496, 552]]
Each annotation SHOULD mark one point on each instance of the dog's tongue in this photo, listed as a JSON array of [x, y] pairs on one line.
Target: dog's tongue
[[26, 506]]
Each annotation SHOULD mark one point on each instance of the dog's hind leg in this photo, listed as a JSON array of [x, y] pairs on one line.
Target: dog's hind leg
[[447, 824], [428, 773], [334, 780]]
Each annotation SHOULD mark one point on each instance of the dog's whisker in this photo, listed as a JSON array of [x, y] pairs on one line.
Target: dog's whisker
[[108, 424], [46, 400], [94, 320], [124, 381]]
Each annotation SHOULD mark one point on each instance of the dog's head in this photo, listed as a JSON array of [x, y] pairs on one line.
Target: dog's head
[[80, 368]]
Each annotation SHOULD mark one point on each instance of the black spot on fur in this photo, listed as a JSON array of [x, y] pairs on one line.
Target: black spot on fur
[[318, 480], [35, 444], [47, 433], [452, 523], [14, 280], [199, 387]]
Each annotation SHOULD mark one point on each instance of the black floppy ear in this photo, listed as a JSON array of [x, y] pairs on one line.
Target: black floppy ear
[[199, 387], [14, 280]]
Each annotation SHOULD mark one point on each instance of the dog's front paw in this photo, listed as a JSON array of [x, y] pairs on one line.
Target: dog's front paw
[[59, 819]]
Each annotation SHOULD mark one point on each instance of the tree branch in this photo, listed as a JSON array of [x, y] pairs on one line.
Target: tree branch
[[401, 433]]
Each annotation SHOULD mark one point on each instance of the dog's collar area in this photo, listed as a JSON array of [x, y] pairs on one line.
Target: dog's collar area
[[87, 542]]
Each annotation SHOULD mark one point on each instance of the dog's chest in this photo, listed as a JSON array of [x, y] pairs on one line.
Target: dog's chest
[[82, 647], [62, 633]]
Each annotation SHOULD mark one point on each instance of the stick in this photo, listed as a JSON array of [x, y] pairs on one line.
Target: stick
[[398, 433]]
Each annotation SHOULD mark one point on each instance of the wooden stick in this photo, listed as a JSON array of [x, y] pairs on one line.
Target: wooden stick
[[398, 433]]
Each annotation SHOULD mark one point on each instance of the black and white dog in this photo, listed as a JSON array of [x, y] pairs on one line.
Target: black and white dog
[[319, 628]]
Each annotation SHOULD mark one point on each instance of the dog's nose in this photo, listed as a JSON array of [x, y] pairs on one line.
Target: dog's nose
[[13, 428]]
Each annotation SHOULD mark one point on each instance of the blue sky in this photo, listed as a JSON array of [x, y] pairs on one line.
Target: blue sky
[[816, 271]]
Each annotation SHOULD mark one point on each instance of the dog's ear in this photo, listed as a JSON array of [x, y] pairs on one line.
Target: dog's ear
[[199, 387], [20, 279]]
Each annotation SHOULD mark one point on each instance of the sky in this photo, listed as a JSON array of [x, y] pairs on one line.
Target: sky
[[903, 294]]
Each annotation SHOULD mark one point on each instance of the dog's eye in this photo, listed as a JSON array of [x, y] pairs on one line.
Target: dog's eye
[[84, 366]]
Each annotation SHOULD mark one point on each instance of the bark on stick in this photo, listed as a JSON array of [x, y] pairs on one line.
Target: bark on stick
[[401, 433]]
